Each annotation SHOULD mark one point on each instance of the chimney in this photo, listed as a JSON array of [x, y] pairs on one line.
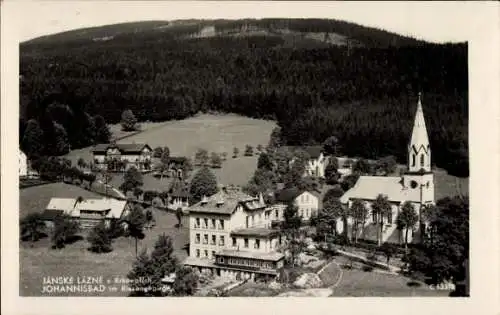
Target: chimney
[[204, 200], [220, 201]]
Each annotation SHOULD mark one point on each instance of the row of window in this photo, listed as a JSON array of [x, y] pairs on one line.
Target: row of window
[[209, 224], [307, 212], [246, 262], [213, 239], [205, 253], [250, 220]]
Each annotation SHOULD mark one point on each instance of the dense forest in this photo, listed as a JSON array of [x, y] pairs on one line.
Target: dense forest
[[364, 93]]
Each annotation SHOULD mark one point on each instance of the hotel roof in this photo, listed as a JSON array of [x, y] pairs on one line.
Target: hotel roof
[[123, 147], [225, 202]]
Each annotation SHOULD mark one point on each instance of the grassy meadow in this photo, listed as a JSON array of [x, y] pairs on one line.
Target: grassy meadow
[[38, 260]]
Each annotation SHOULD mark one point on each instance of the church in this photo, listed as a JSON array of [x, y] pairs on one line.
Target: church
[[416, 186]]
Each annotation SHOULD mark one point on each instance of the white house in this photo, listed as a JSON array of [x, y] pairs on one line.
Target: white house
[[317, 162], [88, 212], [306, 201], [230, 235], [415, 186], [138, 155], [23, 164]]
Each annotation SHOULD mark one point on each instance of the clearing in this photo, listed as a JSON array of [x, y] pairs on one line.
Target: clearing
[[215, 133], [39, 260]]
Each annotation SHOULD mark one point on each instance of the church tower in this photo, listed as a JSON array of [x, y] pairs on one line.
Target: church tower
[[419, 175], [419, 149]]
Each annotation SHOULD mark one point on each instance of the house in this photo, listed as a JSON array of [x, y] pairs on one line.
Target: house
[[306, 201], [178, 196], [316, 164], [416, 186], [121, 156], [88, 212], [23, 164], [230, 235]]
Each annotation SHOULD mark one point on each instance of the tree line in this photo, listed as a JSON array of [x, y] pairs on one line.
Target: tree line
[[365, 96]]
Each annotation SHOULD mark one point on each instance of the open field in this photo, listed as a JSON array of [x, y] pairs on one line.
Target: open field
[[215, 133], [75, 260], [35, 199]]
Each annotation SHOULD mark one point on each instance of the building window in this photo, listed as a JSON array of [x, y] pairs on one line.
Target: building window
[[213, 240], [234, 241], [260, 217], [256, 245], [374, 217], [213, 224], [389, 218], [246, 242], [206, 223], [197, 253], [422, 160], [276, 213], [279, 240], [413, 160], [221, 241], [253, 220], [301, 212], [206, 253], [213, 254], [197, 241], [247, 220], [205, 239], [221, 226], [197, 223]]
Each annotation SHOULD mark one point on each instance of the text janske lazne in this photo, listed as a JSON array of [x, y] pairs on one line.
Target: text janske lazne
[[73, 280]]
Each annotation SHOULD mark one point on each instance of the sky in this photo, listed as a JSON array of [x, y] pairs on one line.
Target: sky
[[431, 21]]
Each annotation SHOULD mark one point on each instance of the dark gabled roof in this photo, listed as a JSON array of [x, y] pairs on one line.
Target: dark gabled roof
[[288, 194], [313, 151], [51, 214], [124, 147], [177, 159]]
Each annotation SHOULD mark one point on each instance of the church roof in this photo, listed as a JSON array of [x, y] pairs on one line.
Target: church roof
[[369, 187], [419, 135]]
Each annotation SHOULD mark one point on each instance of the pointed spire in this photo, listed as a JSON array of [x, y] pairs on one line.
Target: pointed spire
[[419, 135]]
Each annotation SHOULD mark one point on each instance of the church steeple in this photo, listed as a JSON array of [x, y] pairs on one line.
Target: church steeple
[[419, 150]]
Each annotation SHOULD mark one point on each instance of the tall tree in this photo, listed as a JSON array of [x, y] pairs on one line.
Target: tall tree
[[446, 250], [359, 213], [135, 222], [265, 162], [33, 226], [32, 142], [131, 179], [407, 219], [186, 282], [65, 228], [381, 208], [204, 183], [142, 268], [331, 146], [129, 121], [102, 133], [100, 239], [163, 261]]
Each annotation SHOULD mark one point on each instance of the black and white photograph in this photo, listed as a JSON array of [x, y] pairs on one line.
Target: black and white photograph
[[252, 156]]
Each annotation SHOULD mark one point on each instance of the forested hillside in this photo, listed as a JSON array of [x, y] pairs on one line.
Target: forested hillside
[[361, 88]]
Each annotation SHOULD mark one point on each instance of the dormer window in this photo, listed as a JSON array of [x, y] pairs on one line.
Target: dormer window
[[422, 160]]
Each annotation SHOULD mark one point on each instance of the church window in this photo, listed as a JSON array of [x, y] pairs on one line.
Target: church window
[[422, 160], [413, 160]]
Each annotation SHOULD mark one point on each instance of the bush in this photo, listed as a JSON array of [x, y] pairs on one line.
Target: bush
[[248, 150]]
